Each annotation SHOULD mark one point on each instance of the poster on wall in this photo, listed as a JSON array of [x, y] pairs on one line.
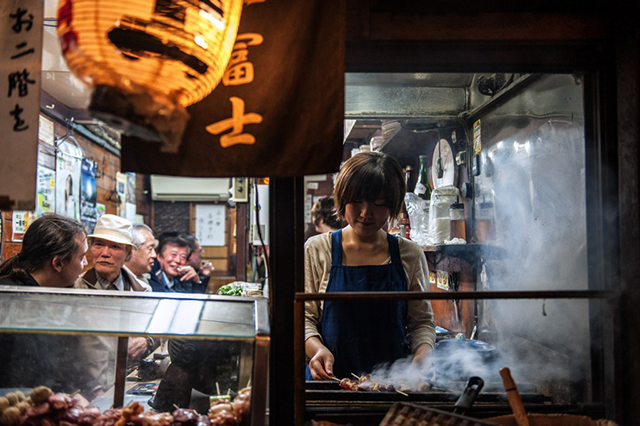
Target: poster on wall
[[68, 165], [88, 209], [121, 190], [210, 224], [20, 223], [131, 187], [45, 191]]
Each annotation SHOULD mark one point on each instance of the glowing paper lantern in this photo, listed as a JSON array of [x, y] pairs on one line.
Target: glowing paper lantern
[[147, 60]]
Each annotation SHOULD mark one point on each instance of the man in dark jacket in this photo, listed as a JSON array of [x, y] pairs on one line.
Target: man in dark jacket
[[171, 274]]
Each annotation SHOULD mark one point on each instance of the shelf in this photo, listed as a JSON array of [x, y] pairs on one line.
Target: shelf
[[470, 253]]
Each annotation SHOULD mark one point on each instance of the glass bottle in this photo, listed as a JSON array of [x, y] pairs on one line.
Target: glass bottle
[[405, 225], [423, 189]]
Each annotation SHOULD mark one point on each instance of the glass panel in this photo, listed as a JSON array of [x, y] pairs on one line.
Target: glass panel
[[137, 314], [69, 342], [530, 193], [548, 345]]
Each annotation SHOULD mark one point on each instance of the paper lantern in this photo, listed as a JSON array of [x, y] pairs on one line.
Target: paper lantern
[[147, 60]]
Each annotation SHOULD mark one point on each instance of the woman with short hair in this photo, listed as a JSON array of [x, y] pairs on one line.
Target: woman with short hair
[[344, 337]]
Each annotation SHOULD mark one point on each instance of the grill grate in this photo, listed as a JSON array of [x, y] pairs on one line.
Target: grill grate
[[403, 414]]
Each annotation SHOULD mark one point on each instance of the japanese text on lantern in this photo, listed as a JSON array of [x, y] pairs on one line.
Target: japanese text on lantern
[[240, 71], [19, 77]]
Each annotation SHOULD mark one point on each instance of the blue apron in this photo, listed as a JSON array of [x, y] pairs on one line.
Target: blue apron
[[362, 334]]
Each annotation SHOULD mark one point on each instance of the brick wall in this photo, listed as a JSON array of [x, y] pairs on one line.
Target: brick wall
[[171, 217]]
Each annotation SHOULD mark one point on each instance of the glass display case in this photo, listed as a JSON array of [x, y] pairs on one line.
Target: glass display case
[[158, 349]]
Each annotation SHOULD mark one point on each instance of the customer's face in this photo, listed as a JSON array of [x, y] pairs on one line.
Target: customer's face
[[142, 258], [172, 258], [76, 264], [195, 259], [108, 257]]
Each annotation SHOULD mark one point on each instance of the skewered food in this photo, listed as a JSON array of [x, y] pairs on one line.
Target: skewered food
[[365, 383], [235, 414]]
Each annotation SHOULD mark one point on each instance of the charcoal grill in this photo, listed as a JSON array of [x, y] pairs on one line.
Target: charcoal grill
[[325, 400]]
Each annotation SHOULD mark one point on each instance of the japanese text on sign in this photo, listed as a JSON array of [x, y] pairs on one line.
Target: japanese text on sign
[[210, 224], [239, 71], [20, 70]]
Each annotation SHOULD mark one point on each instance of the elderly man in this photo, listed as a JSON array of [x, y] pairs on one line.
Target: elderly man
[[172, 274], [143, 255], [110, 246]]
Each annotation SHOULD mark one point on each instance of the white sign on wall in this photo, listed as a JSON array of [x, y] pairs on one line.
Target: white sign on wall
[[210, 224], [20, 70]]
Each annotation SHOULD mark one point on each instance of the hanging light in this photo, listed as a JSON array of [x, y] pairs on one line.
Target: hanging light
[[147, 60]]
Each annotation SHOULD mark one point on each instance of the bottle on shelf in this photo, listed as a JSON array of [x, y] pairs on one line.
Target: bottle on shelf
[[404, 224], [423, 188]]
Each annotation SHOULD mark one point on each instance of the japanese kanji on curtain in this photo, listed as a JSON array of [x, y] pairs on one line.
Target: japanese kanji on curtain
[[279, 108]]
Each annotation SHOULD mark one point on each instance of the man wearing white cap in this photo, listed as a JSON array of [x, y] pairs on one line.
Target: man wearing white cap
[[110, 246]]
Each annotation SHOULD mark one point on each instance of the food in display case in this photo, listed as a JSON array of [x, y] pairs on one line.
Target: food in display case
[[207, 343]]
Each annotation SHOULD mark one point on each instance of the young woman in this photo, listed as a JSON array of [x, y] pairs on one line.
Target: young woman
[[53, 254], [344, 337]]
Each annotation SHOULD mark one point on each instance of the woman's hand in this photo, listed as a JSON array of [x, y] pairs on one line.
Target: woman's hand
[[321, 362], [422, 355]]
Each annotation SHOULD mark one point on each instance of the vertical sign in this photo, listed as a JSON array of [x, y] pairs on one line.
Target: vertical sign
[[20, 68], [210, 224]]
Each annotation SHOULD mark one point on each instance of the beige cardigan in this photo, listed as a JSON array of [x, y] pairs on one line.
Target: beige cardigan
[[317, 266]]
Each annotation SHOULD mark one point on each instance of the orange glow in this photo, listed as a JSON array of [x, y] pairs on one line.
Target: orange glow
[[171, 49]]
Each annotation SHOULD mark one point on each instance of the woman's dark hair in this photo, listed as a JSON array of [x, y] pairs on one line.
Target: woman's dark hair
[[323, 209], [47, 237], [364, 177]]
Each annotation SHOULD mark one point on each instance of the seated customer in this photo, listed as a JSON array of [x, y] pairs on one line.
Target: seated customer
[[143, 255], [110, 246], [171, 274], [53, 254], [202, 268]]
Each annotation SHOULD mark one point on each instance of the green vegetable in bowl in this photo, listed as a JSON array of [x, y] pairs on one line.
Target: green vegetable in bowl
[[231, 290]]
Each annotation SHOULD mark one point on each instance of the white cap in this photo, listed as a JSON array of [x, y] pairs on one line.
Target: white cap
[[113, 228]]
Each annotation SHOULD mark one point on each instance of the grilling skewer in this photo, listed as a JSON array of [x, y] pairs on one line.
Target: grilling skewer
[[364, 379]]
